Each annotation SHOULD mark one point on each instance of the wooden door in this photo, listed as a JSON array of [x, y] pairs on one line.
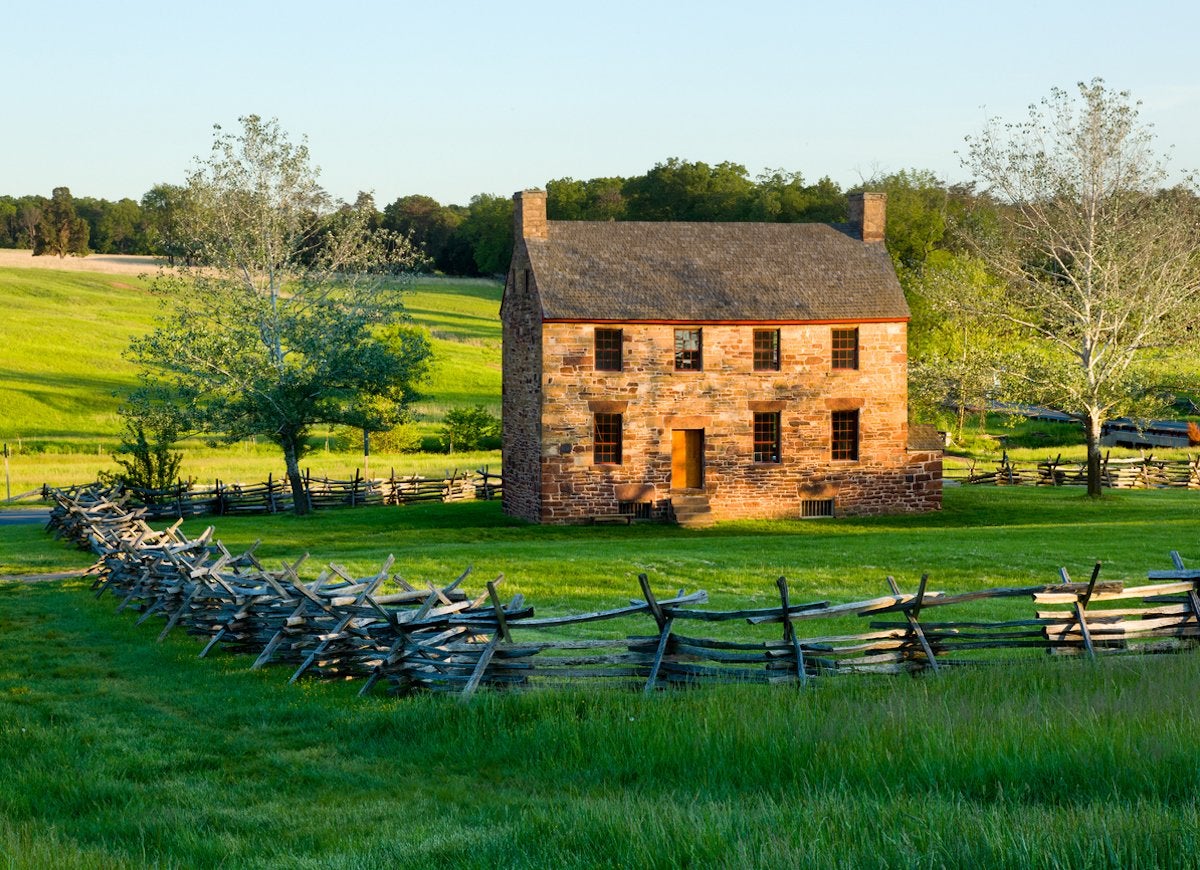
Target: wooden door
[[687, 458]]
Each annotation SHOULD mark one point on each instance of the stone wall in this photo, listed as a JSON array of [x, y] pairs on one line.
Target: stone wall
[[521, 403], [721, 399]]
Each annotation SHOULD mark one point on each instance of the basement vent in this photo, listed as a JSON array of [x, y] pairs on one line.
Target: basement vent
[[816, 507], [639, 510]]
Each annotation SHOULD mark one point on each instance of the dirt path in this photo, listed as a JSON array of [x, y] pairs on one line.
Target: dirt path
[[111, 264], [24, 516], [42, 578]]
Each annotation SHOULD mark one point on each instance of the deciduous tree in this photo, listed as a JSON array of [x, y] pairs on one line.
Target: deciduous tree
[[285, 320], [1102, 266], [61, 230], [165, 209]]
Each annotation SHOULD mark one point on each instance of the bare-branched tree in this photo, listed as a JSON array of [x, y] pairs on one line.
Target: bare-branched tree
[[1102, 262]]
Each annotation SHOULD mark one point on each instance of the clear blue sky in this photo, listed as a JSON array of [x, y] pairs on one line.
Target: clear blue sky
[[454, 99]]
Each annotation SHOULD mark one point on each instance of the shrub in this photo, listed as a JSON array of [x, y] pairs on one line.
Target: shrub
[[399, 439], [146, 462], [470, 429]]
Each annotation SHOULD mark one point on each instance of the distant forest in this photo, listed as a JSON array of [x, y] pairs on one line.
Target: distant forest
[[473, 239]]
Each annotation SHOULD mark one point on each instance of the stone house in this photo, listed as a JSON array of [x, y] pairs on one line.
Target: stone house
[[707, 371]]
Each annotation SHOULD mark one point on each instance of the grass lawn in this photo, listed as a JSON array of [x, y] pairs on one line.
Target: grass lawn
[[61, 339], [121, 752], [61, 370]]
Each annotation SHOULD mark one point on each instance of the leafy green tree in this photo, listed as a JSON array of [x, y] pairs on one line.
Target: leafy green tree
[[113, 227], [283, 321], [145, 454], [29, 220], [165, 212], [678, 190], [1102, 267], [963, 352], [597, 199], [405, 438], [428, 224], [920, 208], [488, 228], [782, 197], [123, 228], [469, 428], [8, 222], [61, 230]]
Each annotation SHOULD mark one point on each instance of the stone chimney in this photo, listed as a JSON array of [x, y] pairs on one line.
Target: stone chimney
[[529, 214], [868, 214]]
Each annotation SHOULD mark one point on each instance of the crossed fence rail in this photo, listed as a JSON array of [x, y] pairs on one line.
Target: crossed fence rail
[[274, 495], [382, 628], [1139, 472]]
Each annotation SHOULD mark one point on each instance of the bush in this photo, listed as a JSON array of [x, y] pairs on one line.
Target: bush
[[399, 439], [470, 429], [146, 463]]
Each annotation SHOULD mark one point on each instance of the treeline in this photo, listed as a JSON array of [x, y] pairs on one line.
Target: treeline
[[473, 239], [63, 224]]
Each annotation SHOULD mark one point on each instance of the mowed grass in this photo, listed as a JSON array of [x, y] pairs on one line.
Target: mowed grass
[[62, 373], [463, 317], [61, 339], [122, 752]]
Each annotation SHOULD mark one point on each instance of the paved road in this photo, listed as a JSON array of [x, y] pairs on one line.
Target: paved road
[[24, 516]]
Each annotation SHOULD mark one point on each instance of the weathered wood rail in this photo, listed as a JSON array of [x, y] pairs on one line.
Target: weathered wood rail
[[187, 499], [381, 627], [1144, 472]]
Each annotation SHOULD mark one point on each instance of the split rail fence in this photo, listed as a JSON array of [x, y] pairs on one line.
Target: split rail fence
[[381, 628], [1143, 472], [186, 499]]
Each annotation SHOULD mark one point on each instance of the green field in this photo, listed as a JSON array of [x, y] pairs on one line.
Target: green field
[[121, 752], [61, 340]]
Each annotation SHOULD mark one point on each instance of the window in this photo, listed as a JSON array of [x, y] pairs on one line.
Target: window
[[608, 350], [639, 510], [845, 435], [766, 436], [766, 350], [688, 356], [845, 348], [606, 439], [816, 507]]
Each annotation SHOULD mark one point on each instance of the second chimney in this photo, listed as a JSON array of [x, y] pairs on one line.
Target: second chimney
[[868, 214], [529, 214]]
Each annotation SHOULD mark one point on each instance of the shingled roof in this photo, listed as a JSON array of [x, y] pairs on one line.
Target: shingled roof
[[697, 272]]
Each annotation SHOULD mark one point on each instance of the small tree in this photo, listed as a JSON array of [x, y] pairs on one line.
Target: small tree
[[145, 454], [967, 354], [1102, 266], [281, 320], [469, 428]]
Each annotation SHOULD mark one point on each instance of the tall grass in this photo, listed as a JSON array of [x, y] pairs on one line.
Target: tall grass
[[120, 752]]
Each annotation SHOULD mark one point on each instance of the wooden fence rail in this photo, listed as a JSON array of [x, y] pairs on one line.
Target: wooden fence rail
[[186, 499], [1144, 472], [439, 638]]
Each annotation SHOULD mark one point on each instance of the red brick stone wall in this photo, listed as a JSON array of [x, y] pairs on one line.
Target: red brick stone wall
[[721, 400]]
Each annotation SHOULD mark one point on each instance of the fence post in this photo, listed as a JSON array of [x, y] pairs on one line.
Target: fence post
[[789, 630]]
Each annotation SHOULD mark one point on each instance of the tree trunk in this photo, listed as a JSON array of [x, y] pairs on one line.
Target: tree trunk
[[292, 460], [1093, 424]]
